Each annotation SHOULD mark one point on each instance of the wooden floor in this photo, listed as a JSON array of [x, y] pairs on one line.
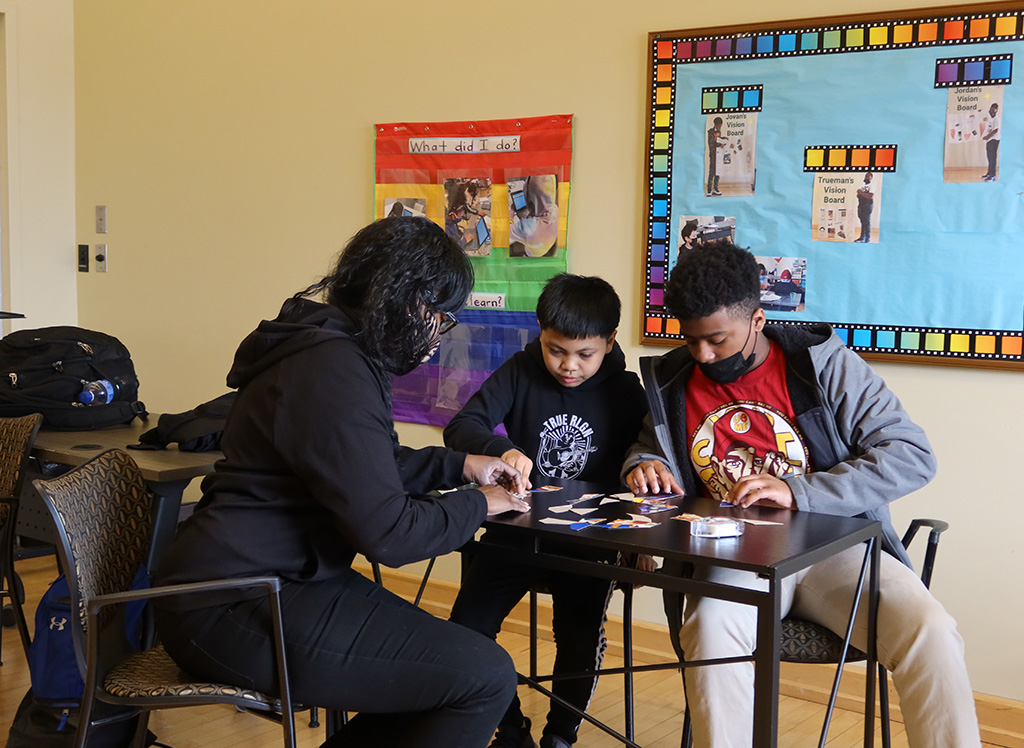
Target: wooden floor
[[659, 702]]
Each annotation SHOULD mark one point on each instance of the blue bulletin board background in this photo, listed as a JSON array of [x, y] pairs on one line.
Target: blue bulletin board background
[[942, 280]]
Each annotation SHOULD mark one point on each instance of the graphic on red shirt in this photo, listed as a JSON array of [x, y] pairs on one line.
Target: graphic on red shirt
[[745, 438]]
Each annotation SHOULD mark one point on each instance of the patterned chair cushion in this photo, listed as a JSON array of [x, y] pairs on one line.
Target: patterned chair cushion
[[803, 641], [153, 674]]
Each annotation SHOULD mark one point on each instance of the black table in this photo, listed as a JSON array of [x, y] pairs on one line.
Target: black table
[[773, 552]]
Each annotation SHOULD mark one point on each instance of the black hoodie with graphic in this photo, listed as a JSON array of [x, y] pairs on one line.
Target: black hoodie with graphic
[[569, 432], [312, 471]]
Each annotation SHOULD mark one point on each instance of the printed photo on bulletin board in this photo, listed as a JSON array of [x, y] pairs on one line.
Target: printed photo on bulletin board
[[862, 160]]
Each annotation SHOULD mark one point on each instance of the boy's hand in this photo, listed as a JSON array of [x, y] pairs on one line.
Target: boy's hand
[[652, 477], [762, 489], [522, 463], [500, 501], [488, 471]]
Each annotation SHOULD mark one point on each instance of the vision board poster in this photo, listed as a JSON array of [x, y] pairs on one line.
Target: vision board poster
[[973, 133]]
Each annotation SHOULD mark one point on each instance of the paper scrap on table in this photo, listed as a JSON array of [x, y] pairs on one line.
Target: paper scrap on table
[[608, 500], [584, 510], [637, 499], [586, 496], [653, 506], [688, 517], [547, 489], [557, 521], [635, 522], [560, 508]]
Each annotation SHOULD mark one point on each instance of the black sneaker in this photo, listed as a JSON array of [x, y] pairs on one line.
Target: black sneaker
[[514, 737]]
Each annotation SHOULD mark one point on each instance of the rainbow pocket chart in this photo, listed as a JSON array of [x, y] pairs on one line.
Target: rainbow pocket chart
[[500, 189], [828, 110]]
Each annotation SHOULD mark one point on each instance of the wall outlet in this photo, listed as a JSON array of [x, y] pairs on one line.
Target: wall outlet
[[83, 258], [101, 258], [101, 219]]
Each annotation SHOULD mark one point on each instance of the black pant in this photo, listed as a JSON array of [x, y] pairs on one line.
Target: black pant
[[991, 152], [491, 588], [864, 214], [414, 679]]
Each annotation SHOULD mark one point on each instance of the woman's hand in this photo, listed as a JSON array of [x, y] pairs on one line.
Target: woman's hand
[[489, 471], [652, 477], [522, 463], [761, 489], [500, 501]]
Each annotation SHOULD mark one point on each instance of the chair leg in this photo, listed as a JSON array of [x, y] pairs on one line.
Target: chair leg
[[533, 634], [627, 656], [314, 717], [687, 739], [13, 587], [883, 699]]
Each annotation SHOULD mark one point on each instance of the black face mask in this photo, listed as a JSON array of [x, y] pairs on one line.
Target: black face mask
[[730, 369]]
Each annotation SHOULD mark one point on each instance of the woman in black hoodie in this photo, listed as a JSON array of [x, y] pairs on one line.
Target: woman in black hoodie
[[313, 474]]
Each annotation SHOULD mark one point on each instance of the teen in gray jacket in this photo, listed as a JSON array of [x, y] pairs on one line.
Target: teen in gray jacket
[[786, 416]]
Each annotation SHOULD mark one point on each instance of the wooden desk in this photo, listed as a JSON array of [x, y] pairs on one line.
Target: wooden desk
[[773, 552], [167, 472]]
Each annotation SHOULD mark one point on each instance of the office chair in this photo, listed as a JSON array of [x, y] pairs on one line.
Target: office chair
[[807, 642], [102, 513], [16, 437]]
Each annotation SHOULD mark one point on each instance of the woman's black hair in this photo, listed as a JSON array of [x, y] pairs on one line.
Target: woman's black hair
[[387, 276], [579, 306], [719, 276]]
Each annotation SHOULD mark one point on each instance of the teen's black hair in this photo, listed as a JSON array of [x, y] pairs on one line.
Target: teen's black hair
[[716, 276], [387, 276], [578, 306]]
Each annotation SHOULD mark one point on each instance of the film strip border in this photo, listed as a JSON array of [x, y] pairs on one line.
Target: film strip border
[[659, 170], [731, 99], [852, 37], [881, 158], [994, 345], [990, 70]]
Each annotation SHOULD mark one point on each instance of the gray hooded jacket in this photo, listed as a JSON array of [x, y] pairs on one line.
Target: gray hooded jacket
[[865, 450]]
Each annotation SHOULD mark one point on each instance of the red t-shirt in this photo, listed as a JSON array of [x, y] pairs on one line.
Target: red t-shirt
[[744, 427]]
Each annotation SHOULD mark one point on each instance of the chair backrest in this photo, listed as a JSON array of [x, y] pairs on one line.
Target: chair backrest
[[102, 510], [16, 438]]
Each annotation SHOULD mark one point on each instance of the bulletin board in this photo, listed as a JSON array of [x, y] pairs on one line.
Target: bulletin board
[[500, 189], [861, 159]]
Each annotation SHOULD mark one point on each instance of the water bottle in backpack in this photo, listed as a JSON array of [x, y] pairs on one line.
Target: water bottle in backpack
[[97, 392]]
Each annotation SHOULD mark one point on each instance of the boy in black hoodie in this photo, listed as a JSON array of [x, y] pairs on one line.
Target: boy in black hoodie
[[571, 410]]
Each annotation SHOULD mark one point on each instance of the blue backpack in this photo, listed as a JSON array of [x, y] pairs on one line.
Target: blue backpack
[[51, 656]]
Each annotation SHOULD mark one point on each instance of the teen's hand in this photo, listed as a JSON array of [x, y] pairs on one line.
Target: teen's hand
[[500, 501], [652, 477], [522, 463], [489, 471], [763, 490]]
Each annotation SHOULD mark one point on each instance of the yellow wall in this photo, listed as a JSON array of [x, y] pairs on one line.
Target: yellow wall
[[232, 142], [37, 162]]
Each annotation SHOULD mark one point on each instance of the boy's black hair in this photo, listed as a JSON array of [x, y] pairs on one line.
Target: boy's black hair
[[718, 275], [578, 306]]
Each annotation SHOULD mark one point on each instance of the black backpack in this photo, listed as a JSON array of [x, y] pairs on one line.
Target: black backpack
[[42, 371]]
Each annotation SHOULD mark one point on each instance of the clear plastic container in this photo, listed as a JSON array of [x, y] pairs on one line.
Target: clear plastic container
[[717, 527]]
